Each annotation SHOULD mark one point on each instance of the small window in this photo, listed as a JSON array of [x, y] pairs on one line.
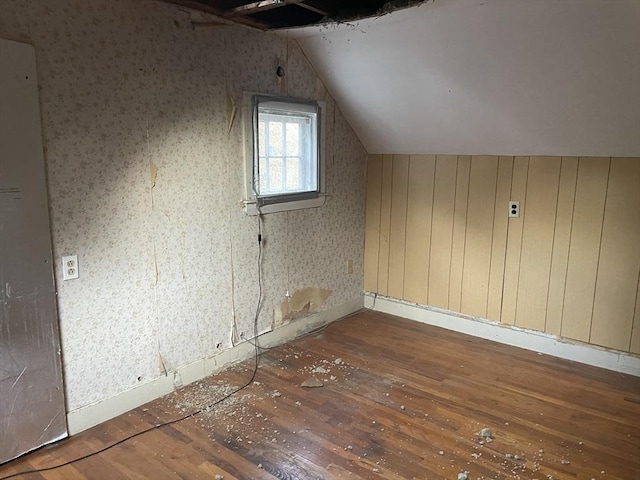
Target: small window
[[284, 165]]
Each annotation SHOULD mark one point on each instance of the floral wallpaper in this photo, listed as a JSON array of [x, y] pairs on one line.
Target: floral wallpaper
[[145, 184]]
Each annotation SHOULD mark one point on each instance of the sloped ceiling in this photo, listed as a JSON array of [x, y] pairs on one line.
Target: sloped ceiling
[[543, 77]]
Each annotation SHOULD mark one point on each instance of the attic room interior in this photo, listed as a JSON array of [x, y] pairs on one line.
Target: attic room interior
[[312, 239]]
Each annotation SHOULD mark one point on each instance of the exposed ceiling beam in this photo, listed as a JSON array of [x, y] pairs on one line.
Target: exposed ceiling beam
[[203, 7], [254, 7], [262, 6], [314, 7]]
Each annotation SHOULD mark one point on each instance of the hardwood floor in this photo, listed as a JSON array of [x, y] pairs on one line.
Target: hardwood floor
[[400, 400]]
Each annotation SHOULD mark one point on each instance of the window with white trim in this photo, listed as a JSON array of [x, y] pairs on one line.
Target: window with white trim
[[284, 153]]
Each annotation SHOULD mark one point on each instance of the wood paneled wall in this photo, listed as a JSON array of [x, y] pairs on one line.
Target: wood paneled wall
[[438, 233]]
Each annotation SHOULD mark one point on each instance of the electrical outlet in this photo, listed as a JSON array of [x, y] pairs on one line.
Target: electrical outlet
[[69, 267], [514, 209], [349, 266]]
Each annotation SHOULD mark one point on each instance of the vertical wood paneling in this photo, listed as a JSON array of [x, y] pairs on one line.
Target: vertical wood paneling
[[499, 243], [438, 233], [418, 232], [372, 227], [442, 230], [477, 251], [619, 264], [459, 232], [584, 248], [514, 241], [561, 238], [385, 224], [398, 225], [537, 242], [635, 335]]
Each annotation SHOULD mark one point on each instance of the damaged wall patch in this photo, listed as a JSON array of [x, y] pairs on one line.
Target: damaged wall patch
[[302, 303]]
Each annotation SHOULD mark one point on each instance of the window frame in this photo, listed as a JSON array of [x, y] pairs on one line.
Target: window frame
[[271, 203]]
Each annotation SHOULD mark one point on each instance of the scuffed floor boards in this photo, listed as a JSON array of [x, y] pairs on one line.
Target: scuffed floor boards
[[400, 400]]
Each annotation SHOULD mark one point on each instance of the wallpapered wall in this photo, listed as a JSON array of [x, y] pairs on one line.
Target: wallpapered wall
[[166, 259]]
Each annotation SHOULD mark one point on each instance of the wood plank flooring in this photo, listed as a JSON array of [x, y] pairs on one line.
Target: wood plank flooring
[[400, 400]]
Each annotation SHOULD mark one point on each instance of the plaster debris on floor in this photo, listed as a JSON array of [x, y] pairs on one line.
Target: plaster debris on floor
[[486, 434], [312, 382], [252, 421]]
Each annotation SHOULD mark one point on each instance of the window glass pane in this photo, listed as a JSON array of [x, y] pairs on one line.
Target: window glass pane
[[262, 138], [293, 174], [276, 177], [293, 139], [263, 175], [275, 139]]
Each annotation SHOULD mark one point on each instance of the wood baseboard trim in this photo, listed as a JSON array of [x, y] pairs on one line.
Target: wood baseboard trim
[[91, 415], [510, 335]]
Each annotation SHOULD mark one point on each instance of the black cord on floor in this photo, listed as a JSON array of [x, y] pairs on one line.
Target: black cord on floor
[[189, 415]]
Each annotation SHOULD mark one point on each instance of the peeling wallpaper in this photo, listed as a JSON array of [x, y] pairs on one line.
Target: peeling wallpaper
[[126, 86]]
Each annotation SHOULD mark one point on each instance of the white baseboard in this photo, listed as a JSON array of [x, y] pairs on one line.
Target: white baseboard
[[510, 335], [91, 415]]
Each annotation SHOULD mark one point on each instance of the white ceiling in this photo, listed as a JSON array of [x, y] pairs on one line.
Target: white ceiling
[[512, 77]]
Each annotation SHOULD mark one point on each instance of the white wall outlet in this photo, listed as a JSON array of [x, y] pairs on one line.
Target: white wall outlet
[[514, 209], [69, 267]]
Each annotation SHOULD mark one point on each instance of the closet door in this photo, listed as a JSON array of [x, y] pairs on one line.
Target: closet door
[[32, 408]]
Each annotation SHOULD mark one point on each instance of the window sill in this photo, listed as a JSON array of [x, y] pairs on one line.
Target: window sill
[[251, 208]]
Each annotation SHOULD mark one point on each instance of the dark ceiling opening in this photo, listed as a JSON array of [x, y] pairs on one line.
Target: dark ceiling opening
[[273, 14]]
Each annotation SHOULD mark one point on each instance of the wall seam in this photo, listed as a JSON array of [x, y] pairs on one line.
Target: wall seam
[[506, 243], [406, 217], [433, 196], [553, 243], [390, 215], [453, 227], [493, 231], [466, 219], [635, 311], [595, 285], [524, 218], [566, 273], [379, 221], [155, 252]]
